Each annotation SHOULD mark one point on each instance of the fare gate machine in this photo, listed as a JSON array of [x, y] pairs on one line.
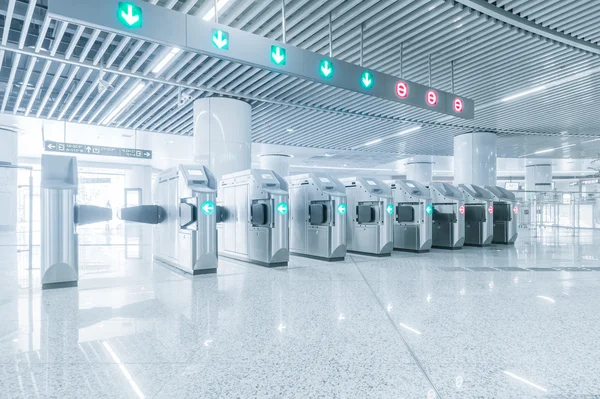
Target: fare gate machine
[[448, 217], [185, 236], [255, 220], [318, 222], [60, 216], [412, 226], [370, 220], [505, 215], [479, 210]]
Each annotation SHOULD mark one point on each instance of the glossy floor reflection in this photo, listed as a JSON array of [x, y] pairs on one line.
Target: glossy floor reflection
[[498, 322]]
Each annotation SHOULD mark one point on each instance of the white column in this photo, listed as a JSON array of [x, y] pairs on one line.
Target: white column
[[420, 168], [538, 177], [9, 140], [222, 135], [279, 163], [475, 159]]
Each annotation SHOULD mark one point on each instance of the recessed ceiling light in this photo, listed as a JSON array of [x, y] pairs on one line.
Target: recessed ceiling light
[[166, 59], [290, 130], [211, 13], [373, 142], [524, 93]]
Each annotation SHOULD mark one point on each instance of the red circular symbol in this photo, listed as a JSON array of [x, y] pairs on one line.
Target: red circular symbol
[[516, 209], [491, 209], [461, 209], [402, 89], [432, 97], [458, 105]]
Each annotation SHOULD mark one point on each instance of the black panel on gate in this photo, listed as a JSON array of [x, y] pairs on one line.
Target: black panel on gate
[[475, 213], [317, 214], [443, 217], [405, 213], [365, 214], [259, 214], [502, 212]]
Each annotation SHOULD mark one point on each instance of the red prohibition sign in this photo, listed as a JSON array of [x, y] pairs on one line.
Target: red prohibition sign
[[431, 97], [459, 105], [516, 209], [461, 209], [402, 89], [491, 209]]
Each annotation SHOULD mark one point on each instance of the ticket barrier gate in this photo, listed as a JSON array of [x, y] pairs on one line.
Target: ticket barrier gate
[[413, 223], [448, 217], [254, 223], [370, 216], [479, 210], [185, 215], [505, 215], [318, 216], [60, 216]]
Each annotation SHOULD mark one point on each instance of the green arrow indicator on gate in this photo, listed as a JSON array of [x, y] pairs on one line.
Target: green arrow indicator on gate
[[129, 15], [342, 209], [366, 80], [208, 207], [278, 55], [390, 209], [429, 209], [326, 69], [282, 208], [220, 39]]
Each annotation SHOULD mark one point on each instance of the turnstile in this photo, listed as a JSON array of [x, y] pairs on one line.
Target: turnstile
[[479, 210], [60, 216], [505, 215], [448, 219], [412, 226], [370, 220], [185, 215], [318, 220], [255, 219]]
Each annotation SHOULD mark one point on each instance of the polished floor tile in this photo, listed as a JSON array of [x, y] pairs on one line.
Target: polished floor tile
[[499, 322]]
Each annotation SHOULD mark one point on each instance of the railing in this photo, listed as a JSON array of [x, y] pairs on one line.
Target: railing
[[573, 210]]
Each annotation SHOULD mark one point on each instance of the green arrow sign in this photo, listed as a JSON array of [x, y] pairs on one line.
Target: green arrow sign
[[429, 209], [342, 209], [366, 80], [208, 207], [390, 209], [282, 208], [129, 15], [326, 69], [278, 55], [220, 39]]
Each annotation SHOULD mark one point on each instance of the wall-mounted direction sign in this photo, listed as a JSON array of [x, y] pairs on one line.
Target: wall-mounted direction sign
[[189, 32], [90, 149]]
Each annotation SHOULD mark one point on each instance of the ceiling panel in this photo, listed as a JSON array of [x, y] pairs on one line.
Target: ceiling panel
[[62, 71]]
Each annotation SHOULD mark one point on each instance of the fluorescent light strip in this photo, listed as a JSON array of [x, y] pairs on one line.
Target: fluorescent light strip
[[589, 141], [410, 329], [373, 142], [124, 370], [516, 377], [546, 298], [211, 13], [524, 93], [137, 90], [163, 63], [545, 151], [341, 168], [549, 150]]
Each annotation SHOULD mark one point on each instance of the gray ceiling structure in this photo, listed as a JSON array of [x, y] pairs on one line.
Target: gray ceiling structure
[[55, 70]]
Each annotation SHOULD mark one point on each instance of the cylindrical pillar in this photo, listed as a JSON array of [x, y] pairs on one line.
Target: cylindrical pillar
[[420, 168], [475, 159], [538, 177], [222, 135], [8, 179], [279, 163]]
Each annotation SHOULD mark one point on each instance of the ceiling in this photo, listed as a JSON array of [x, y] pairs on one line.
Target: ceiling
[[55, 70]]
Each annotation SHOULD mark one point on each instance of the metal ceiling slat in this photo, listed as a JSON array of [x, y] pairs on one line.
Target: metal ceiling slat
[[38, 86], [26, 23], [11, 79], [24, 83]]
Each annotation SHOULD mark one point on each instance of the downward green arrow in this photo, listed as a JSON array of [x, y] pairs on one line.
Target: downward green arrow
[[130, 15], [278, 55], [326, 69], [366, 80], [220, 39]]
